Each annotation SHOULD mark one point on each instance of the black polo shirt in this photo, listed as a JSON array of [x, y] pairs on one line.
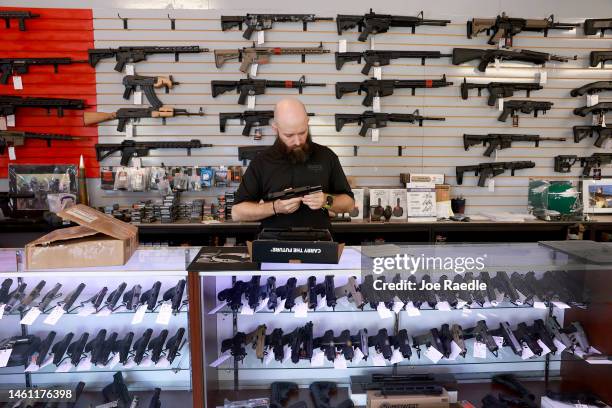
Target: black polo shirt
[[271, 171]]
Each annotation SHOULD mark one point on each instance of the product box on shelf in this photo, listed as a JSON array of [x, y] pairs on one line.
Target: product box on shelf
[[379, 399], [398, 201], [359, 210], [295, 245], [98, 240], [379, 201]]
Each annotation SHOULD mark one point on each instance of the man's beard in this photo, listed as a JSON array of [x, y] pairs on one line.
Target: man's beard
[[297, 154]]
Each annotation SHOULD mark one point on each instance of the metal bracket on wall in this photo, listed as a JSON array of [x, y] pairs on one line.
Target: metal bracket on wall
[[125, 21], [355, 150], [400, 149], [172, 22]]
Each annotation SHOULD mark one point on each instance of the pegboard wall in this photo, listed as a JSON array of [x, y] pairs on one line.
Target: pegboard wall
[[437, 147]]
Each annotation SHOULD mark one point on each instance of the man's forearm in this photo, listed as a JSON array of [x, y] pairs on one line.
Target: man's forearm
[[252, 211], [342, 203]]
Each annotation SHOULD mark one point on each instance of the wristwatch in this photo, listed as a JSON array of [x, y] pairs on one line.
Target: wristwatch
[[329, 201]]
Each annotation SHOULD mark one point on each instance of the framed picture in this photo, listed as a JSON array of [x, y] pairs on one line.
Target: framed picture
[[597, 196]]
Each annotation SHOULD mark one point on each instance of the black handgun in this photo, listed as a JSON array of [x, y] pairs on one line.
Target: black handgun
[[96, 347], [345, 345], [77, 394], [5, 290], [150, 296], [44, 348], [519, 283], [15, 297], [430, 339], [155, 402], [463, 294], [233, 296], [131, 298], [173, 345], [523, 334], [486, 279], [156, 345], [555, 329], [401, 341], [326, 344], [123, 347], [34, 294], [72, 297], [482, 334], [446, 295], [176, 294], [140, 346], [510, 339], [308, 292], [457, 333], [293, 192], [274, 342], [97, 299], [59, 349], [75, 349], [446, 338], [578, 336], [381, 343], [115, 295], [49, 297], [503, 282], [541, 332], [321, 392], [328, 290], [287, 292], [477, 294], [109, 346], [117, 390], [429, 295]]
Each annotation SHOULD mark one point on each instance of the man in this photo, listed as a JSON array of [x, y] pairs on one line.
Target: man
[[293, 161]]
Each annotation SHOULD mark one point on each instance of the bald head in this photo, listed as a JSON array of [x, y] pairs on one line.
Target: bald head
[[291, 123]]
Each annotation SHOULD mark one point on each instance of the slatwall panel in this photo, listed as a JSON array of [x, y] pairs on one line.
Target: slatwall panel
[[56, 33]]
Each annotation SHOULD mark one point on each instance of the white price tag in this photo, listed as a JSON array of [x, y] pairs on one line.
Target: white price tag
[[32, 368], [261, 37], [527, 353], [376, 104], [54, 316], [491, 188], [217, 308], [378, 360], [4, 356], [398, 306], [592, 100], [560, 346], [357, 356], [104, 312], [286, 354], [264, 303], [129, 69], [129, 130], [165, 311], [84, 365], [221, 359], [340, 362], [497, 63], [17, 84], [443, 306], [253, 71], [64, 367], [455, 351], [2, 123], [11, 153], [146, 362], [499, 341], [131, 364], [300, 310], [433, 354], [280, 307], [461, 304], [86, 311], [500, 104], [539, 305], [397, 357], [542, 76], [10, 121], [411, 310], [251, 102], [341, 45], [480, 350], [545, 349], [246, 310], [383, 312], [318, 359], [113, 362], [322, 303], [31, 316], [377, 72], [162, 363], [501, 43], [561, 305], [47, 361], [375, 133], [268, 357], [137, 97], [139, 315]]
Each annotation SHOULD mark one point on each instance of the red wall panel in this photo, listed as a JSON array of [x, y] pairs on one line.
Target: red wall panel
[[56, 33]]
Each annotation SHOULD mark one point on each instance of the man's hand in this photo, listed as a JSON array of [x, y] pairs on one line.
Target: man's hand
[[287, 206], [314, 201]]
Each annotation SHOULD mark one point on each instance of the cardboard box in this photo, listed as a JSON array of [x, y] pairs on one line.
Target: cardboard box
[[398, 200], [99, 240], [377, 400], [323, 252], [379, 200], [421, 202], [422, 178], [359, 210], [442, 192]]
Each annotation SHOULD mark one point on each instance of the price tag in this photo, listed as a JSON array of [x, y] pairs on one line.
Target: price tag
[[377, 72], [443, 306], [480, 350], [31, 316], [261, 37], [84, 365], [165, 311], [301, 310], [131, 363], [217, 308], [560, 346], [47, 361], [246, 310], [221, 359], [545, 349], [113, 362], [372, 42], [357, 356], [64, 367], [527, 353], [280, 307], [162, 363], [146, 362], [378, 360], [341, 45], [129, 130], [539, 305], [340, 362], [455, 351], [54, 316], [592, 100], [411, 310], [139, 315], [87, 311], [112, 404], [253, 71], [561, 305], [251, 102], [129, 69], [318, 359], [383, 312], [461, 304], [497, 63], [376, 104], [286, 354], [499, 341], [263, 304], [104, 312], [491, 188], [10, 121], [398, 306], [11, 153], [138, 98], [501, 43], [17, 84], [500, 104], [322, 303], [433, 354], [268, 358], [4, 356], [396, 357], [32, 368], [542, 76], [2, 123], [375, 133]]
